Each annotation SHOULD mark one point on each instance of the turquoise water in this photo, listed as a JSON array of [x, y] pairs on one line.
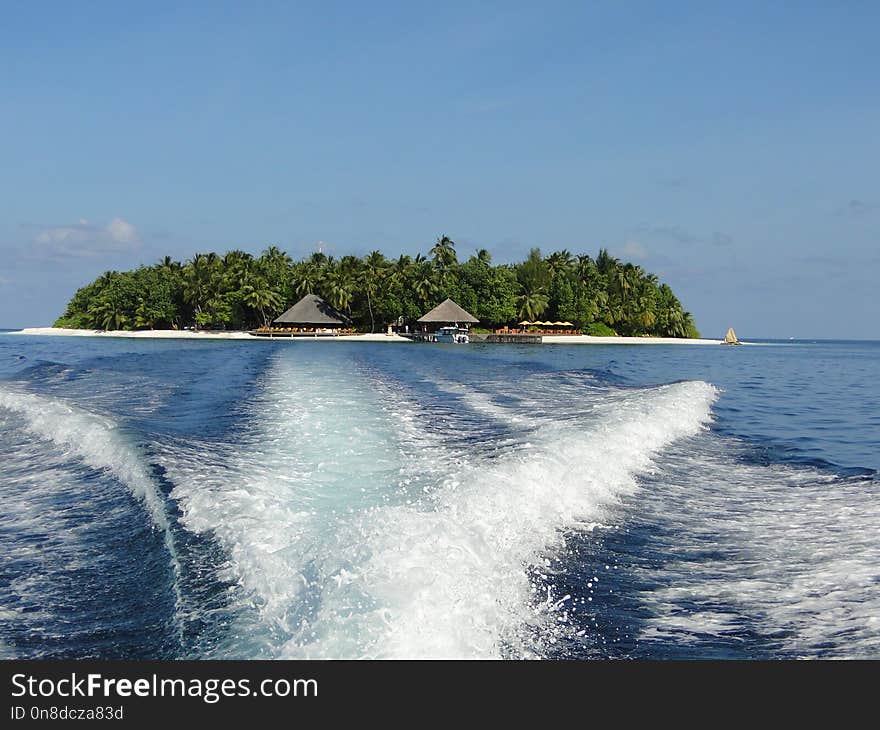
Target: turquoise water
[[294, 499]]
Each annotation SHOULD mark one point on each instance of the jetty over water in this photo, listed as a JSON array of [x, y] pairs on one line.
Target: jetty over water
[[509, 338], [491, 338]]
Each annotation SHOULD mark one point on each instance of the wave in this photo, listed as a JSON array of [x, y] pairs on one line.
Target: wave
[[353, 529], [793, 560], [453, 576], [94, 439], [318, 448], [99, 443]]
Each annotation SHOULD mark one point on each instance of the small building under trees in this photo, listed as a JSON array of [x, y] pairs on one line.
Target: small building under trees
[[447, 313], [311, 315]]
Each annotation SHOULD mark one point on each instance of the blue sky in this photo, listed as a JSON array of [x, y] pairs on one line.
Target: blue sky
[[731, 148]]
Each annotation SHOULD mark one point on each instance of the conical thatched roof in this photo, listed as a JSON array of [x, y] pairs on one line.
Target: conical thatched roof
[[312, 310], [447, 312]]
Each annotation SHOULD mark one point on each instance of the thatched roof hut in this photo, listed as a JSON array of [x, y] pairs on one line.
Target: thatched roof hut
[[448, 312], [312, 311]]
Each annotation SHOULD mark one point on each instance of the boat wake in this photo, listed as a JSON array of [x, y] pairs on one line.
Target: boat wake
[[367, 506], [354, 531], [93, 439], [41, 489]]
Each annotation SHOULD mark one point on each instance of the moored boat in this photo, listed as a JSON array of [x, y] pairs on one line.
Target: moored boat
[[452, 335]]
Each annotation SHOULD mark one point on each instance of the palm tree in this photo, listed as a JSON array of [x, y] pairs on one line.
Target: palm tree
[[622, 281], [143, 317], [374, 268], [605, 263], [106, 279], [274, 256], [275, 263], [338, 286], [261, 297], [532, 304], [308, 277], [559, 262], [108, 314], [197, 279], [645, 315], [599, 306], [533, 274], [424, 282], [238, 269], [674, 322], [168, 265], [443, 253], [400, 269]]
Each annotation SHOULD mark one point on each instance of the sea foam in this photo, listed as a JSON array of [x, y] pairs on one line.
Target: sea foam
[[94, 439], [352, 530], [450, 576], [99, 443]]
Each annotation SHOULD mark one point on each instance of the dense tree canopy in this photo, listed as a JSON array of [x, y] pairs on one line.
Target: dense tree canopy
[[237, 291]]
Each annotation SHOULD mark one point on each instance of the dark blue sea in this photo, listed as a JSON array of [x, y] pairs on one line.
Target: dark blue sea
[[254, 499]]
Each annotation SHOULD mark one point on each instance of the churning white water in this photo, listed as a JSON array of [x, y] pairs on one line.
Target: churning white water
[[352, 530], [59, 491], [333, 500], [95, 440], [794, 555]]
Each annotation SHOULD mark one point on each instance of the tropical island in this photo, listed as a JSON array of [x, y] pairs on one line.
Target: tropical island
[[600, 296]]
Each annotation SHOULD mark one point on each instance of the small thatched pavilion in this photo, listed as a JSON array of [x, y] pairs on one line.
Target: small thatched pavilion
[[311, 313], [447, 313]]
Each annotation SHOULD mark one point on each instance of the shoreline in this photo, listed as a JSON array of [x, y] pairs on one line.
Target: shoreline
[[593, 340], [366, 337], [191, 335]]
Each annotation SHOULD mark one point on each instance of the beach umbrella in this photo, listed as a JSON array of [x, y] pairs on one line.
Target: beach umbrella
[[525, 322], [566, 324]]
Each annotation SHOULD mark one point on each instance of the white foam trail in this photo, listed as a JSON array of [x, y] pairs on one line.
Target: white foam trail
[[483, 403], [449, 577], [98, 443], [93, 439], [352, 530], [321, 448], [798, 557]]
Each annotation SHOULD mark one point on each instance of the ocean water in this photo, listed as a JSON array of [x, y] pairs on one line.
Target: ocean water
[[229, 499]]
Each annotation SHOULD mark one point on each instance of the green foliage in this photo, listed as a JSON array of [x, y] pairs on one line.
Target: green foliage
[[603, 296], [599, 329]]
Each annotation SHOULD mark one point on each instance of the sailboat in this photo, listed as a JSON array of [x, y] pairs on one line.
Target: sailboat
[[730, 338]]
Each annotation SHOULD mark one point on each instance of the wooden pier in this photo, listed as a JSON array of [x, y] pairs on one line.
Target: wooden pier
[[289, 333], [475, 337], [514, 339]]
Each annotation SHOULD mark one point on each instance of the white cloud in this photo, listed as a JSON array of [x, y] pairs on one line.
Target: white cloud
[[83, 239], [122, 231], [634, 250]]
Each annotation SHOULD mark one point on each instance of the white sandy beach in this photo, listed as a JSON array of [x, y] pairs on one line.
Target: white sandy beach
[[377, 337], [191, 335], [591, 340]]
